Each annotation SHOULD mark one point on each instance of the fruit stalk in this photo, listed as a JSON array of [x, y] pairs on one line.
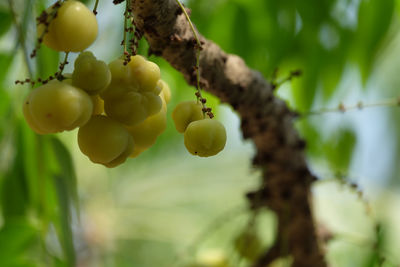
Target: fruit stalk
[[198, 49]]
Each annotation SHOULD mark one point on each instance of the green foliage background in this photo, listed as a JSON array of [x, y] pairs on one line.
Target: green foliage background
[[59, 209]]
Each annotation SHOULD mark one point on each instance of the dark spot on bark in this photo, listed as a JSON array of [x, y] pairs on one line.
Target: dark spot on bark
[[178, 11], [263, 127], [189, 45], [149, 19], [286, 194], [301, 144], [281, 139]]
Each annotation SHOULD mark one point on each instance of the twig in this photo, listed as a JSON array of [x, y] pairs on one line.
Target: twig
[[198, 48]]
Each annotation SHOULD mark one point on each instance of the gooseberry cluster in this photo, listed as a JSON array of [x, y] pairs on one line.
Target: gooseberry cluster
[[119, 108]]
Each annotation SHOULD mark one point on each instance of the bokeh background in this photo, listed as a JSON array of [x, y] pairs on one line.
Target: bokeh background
[[168, 208]]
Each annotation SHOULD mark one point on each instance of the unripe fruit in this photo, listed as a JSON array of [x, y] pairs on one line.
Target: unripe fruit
[[133, 94], [72, 30], [56, 107], [248, 245], [105, 141], [165, 91], [90, 74], [139, 75], [205, 138], [145, 133], [136, 152], [98, 105], [133, 107], [185, 113]]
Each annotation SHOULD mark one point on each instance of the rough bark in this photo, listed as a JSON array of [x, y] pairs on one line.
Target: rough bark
[[264, 118]]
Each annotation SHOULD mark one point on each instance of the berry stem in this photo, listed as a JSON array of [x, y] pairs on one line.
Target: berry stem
[[198, 48], [62, 65], [45, 19], [95, 7], [360, 105]]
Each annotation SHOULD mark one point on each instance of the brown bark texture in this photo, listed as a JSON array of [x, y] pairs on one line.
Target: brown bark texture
[[264, 118]]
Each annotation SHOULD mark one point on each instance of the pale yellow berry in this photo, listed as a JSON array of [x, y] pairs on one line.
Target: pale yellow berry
[[72, 30], [165, 91], [56, 107], [205, 137], [98, 105], [133, 107], [185, 113], [133, 94], [105, 141], [145, 133], [90, 74]]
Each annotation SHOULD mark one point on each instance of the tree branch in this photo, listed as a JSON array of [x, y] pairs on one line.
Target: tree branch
[[264, 118]]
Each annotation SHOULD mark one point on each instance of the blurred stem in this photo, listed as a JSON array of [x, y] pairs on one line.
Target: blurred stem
[[198, 49], [21, 37], [359, 106]]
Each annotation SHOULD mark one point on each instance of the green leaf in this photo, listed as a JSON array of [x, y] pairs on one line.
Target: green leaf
[[16, 236], [66, 168], [64, 225], [339, 149], [374, 19], [5, 21], [47, 61], [5, 62], [15, 199]]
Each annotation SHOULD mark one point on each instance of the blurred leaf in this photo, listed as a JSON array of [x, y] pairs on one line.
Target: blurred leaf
[[64, 226], [374, 19], [32, 164], [16, 236], [312, 135], [65, 185], [377, 258], [5, 62], [15, 199], [339, 148], [241, 27], [5, 21], [66, 168], [47, 61]]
